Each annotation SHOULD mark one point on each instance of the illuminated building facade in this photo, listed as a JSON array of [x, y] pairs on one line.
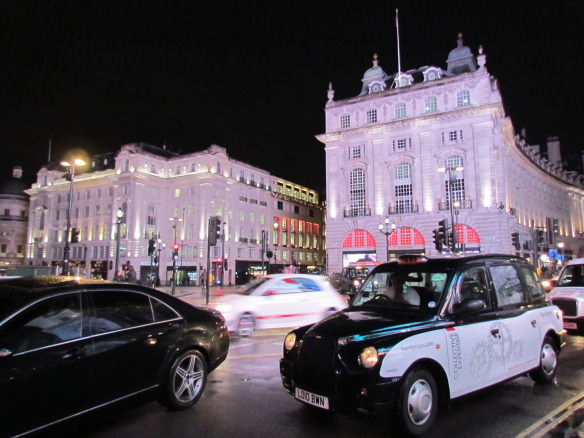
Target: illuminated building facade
[[158, 194], [14, 204], [419, 147]]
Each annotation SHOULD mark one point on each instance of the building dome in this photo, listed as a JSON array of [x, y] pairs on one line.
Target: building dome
[[460, 59], [374, 75], [15, 186]]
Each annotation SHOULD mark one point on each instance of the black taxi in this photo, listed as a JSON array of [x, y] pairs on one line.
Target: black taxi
[[420, 332]]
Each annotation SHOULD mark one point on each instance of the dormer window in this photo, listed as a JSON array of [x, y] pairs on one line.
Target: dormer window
[[432, 73], [463, 98], [345, 121], [372, 116]]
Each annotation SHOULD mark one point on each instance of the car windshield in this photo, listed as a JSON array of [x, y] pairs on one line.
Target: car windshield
[[247, 289], [572, 275], [404, 287]]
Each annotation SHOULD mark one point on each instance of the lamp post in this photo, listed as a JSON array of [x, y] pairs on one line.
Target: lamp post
[[451, 178], [174, 220], [71, 172], [386, 229], [456, 207], [119, 217], [160, 245]]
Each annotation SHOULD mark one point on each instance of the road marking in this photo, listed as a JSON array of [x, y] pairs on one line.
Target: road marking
[[541, 427]]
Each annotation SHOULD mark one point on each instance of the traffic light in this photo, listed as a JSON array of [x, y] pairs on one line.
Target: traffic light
[[437, 241], [556, 226], [515, 240], [540, 237], [225, 264], [443, 232], [151, 247], [74, 235], [175, 250], [214, 230]]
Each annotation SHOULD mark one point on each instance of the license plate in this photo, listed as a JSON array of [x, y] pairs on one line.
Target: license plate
[[311, 398], [570, 325]]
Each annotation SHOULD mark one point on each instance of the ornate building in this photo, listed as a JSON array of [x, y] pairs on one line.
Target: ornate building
[[119, 205], [430, 158], [13, 219]]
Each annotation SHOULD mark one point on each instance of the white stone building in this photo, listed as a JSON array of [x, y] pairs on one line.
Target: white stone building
[[13, 219], [162, 195], [412, 142]]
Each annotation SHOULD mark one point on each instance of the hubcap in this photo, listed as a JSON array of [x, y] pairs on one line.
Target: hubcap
[[245, 326], [420, 402], [188, 378], [549, 359]]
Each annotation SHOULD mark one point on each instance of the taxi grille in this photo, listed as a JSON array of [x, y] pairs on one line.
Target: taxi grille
[[568, 307], [316, 363]]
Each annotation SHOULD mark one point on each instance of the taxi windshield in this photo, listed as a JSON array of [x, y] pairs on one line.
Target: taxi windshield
[[572, 275], [405, 287]]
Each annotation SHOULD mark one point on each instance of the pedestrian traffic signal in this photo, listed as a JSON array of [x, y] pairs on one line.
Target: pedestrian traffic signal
[[540, 237], [214, 230], [74, 235], [151, 247], [175, 250], [515, 240]]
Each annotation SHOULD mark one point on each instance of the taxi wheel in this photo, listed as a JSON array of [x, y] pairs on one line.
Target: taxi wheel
[[185, 381], [417, 404], [548, 362], [246, 325]]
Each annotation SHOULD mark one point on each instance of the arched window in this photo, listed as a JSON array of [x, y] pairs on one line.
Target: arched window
[[403, 188], [357, 192], [454, 180], [463, 98]]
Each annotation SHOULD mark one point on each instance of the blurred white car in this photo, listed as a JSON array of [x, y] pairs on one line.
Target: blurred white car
[[279, 300]]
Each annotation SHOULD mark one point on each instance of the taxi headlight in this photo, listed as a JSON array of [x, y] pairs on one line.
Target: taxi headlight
[[223, 307], [369, 357], [289, 341]]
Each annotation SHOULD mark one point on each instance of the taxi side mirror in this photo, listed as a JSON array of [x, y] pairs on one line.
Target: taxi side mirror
[[468, 307]]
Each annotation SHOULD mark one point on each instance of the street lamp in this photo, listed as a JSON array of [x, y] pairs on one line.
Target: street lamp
[[386, 229], [456, 207], [119, 218], [451, 178], [71, 174]]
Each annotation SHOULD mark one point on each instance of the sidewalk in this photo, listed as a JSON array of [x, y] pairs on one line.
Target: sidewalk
[[195, 295]]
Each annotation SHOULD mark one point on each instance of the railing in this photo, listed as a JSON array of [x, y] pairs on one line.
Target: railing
[[356, 212]]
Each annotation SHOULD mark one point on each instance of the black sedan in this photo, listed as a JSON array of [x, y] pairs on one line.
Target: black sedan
[[70, 346]]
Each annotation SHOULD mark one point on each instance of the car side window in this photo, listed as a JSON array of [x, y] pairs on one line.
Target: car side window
[[293, 285], [118, 310], [475, 286], [507, 285], [307, 284], [534, 290], [161, 311], [49, 322]]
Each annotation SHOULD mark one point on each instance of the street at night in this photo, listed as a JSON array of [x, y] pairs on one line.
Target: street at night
[[245, 397]]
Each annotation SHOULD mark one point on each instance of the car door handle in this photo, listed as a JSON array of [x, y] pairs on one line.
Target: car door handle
[[495, 333], [74, 353], [533, 323]]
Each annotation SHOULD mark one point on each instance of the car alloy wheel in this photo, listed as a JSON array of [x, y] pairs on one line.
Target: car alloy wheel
[[186, 380]]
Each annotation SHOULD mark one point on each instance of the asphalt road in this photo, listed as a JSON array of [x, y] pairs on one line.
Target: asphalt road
[[245, 398]]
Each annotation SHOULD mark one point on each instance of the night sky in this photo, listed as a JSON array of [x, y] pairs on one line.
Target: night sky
[[252, 76]]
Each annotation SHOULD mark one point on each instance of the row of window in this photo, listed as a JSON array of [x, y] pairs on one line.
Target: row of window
[[404, 144], [400, 109], [454, 187]]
